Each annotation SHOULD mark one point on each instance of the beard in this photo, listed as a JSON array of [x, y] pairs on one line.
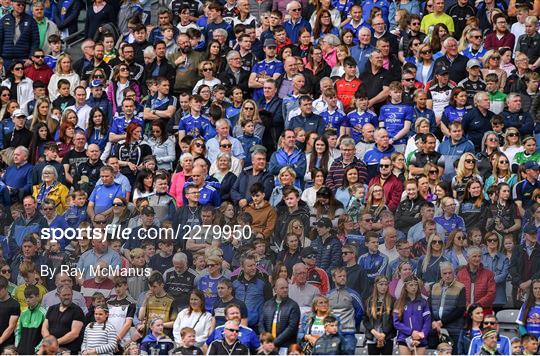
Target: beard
[[186, 50]]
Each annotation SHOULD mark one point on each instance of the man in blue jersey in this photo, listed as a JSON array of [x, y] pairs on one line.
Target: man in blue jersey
[[270, 67], [209, 193], [363, 49], [121, 121], [162, 105], [356, 21], [382, 148], [289, 156], [194, 124], [103, 195], [246, 335], [333, 117], [362, 115], [396, 117], [490, 323]]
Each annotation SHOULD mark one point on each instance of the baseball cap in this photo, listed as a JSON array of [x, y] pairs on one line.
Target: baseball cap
[[148, 210], [441, 70], [269, 42], [473, 63], [324, 222], [18, 113], [532, 165], [307, 252], [96, 83]]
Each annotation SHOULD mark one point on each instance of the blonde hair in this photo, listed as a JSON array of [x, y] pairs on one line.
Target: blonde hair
[[58, 69]]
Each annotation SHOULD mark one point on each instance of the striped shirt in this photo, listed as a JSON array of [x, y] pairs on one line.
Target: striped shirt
[[99, 338]]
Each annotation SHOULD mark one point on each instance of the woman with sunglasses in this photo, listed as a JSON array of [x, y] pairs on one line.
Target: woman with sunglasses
[[473, 327], [428, 266], [512, 144], [121, 213], [466, 170], [412, 319], [499, 264], [63, 70], [456, 252], [424, 64], [20, 86], [312, 325], [501, 173], [489, 145], [527, 319], [121, 80], [504, 217], [249, 111], [197, 148], [207, 71], [431, 171], [474, 209], [5, 97], [5, 271], [492, 64]]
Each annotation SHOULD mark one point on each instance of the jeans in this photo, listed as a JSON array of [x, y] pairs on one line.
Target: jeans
[[349, 344]]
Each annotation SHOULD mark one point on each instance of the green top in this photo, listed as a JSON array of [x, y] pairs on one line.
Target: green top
[[29, 319], [522, 158], [42, 27]]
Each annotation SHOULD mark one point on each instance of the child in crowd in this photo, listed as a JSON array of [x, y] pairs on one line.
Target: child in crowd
[[64, 98], [267, 344], [188, 340], [530, 344]]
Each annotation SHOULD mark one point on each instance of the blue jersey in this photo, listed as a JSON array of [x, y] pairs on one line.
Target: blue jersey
[[343, 8], [451, 114], [356, 119], [334, 120], [120, 124], [393, 117], [232, 113], [266, 68], [196, 127], [367, 5], [156, 103], [533, 320], [208, 286], [210, 194], [50, 61], [355, 30], [449, 225]]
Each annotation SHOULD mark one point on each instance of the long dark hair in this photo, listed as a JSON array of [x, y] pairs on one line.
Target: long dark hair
[[467, 196], [161, 124], [318, 29], [10, 75], [91, 125], [199, 295], [531, 300], [37, 141], [468, 319], [141, 176], [325, 156], [372, 302]]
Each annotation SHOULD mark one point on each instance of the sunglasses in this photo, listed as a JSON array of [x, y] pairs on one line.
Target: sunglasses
[[123, 69], [207, 69], [39, 56], [228, 145], [384, 165], [408, 79], [18, 68], [469, 161], [211, 265], [199, 144], [310, 256], [100, 222], [435, 242], [249, 108], [425, 52], [233, 330], [296, 10], [433, 172], [504, 162], [346, 252], [6, 270], [118, 204], [368, 220], [476, 36], [47, 209], [512, 134], [492, 240], [490, 323], [99, 76], [493, 139]]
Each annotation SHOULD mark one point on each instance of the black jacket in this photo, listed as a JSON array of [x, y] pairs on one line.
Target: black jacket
[[229, 80], [329, 345], [517, 264], [287, 324], [165, 70], [408, 213], [457, 69], [221, 347], [385, 321]]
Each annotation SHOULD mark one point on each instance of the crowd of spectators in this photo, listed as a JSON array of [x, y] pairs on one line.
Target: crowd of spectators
[[267, 176]]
